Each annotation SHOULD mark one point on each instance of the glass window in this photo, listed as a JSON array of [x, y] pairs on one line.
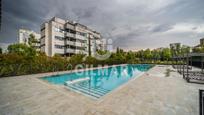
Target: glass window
[[59, 38], [59, 46], [59, 30]]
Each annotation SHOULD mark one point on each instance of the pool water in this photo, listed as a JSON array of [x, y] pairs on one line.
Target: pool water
[[101, 81]]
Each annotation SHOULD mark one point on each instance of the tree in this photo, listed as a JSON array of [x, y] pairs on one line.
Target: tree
[[147, 54], [102, 52], [140, 55], [21, 49], [185, 49], [1, 50], [156, 55], [76, 59], [166, 54], [175, 49], [199, 49], [32, 40], [91, 61], [11, 64], [131, 57], [119, 51]]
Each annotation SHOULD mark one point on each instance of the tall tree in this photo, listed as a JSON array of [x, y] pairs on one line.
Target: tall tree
[[32, 40], [185, 49], [175, 49], [166, 54], [147, 54], [117, 50], [1, 50], [156, 55]]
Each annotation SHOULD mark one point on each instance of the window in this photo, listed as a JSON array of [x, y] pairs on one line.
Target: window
[[59, 46], [81, 41], [42, 29], [70, 31], [59, 38], [56, 29], [76, 47], [82, 34], [76, 40], [42, 37], [59, 30], [42, 45]]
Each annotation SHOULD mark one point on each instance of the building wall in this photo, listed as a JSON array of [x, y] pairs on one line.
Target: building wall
[[68, 38], [24, 34]]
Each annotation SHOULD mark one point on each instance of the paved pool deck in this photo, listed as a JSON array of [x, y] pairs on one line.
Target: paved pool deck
[[151, 94]]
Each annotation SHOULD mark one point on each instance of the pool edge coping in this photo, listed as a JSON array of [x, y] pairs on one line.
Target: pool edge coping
[[99, 100], [109, 94]]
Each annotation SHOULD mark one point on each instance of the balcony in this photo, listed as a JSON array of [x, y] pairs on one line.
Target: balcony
[[98, 41], [69, 26], [80, 37], [59, 51], [75, 51], [80, 44], [76, 43], [79, 51], [69, 35], [59, 42], [69, 50]]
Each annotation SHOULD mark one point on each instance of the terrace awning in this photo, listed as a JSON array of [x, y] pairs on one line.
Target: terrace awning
[[185, 67]]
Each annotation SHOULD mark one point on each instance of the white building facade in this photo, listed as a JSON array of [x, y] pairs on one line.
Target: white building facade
[[23, 37], [67, 38]]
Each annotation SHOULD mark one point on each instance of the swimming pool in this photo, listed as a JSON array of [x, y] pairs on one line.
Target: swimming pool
[[96, 83]]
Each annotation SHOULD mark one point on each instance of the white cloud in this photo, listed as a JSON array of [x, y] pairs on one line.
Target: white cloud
[[150, 5], [132, 23], [187, 28]]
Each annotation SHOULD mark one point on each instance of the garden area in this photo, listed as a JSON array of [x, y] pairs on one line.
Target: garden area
[[21, 59]]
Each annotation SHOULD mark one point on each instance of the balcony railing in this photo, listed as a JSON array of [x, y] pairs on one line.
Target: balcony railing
[[75, 51], [70, 43], [69, 50], [80, 37], [69, 26], [79, 51], [61, 51], [76, 43], [70, 35]]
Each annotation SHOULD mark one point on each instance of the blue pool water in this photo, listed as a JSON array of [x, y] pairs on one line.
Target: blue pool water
[[101, 81]]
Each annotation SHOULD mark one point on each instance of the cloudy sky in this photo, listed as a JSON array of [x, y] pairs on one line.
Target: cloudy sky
[[132, 24]]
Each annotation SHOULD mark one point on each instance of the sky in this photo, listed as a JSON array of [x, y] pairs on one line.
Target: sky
[[131, 24]]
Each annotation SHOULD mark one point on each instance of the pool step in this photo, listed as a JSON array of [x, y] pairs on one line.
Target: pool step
[[84, 91], [84, 88], [87, 85], [90, 90], [97, 91], [101, 90]]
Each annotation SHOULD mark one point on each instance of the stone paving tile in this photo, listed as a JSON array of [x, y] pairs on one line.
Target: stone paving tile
[[150, 94]]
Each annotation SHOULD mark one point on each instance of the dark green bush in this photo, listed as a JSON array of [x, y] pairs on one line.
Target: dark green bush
[[22, 59]]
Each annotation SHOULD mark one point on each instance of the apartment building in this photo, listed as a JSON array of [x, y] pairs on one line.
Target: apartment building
[[23, 37], [66, 38]]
